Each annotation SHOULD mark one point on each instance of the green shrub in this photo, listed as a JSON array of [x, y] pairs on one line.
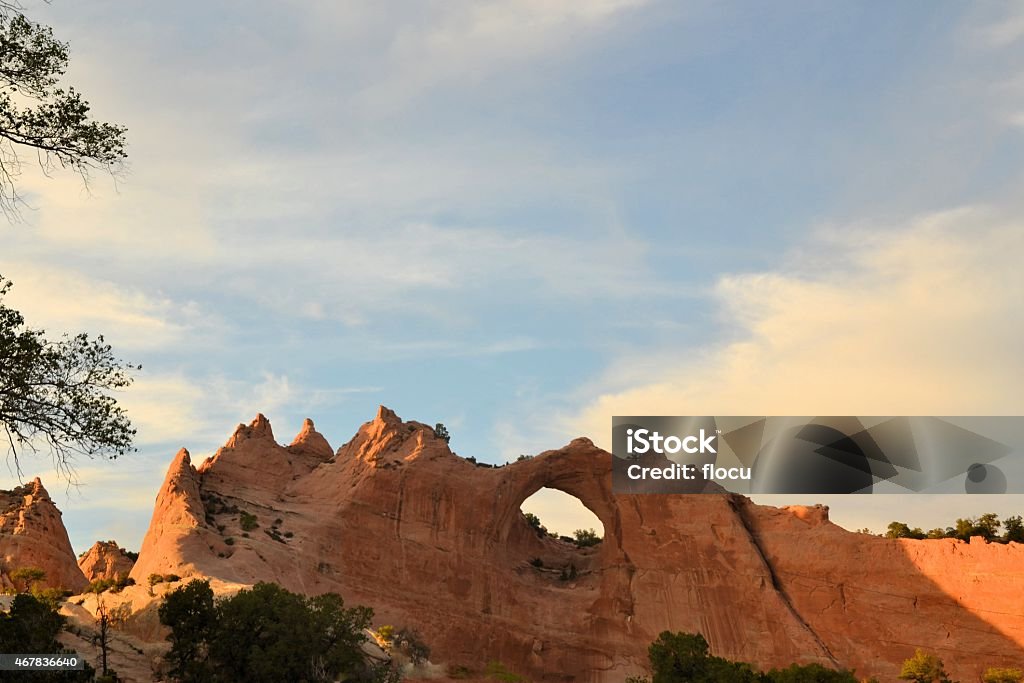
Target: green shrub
[[28, 577], [114, 585], [586, 538], [248, 521], [997, 675]]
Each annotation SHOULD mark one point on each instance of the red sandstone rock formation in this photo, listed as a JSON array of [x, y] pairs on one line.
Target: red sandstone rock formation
[[105, 560], [32, 534], [394, 520]]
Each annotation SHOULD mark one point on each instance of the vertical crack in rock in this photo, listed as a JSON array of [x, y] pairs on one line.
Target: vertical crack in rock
[[776, 584]]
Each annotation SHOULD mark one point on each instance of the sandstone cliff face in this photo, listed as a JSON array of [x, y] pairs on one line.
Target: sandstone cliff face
[[394, 520], [32, 534], [105, 560]]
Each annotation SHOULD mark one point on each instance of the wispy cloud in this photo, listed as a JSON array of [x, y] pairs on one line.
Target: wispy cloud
[[65, 301]]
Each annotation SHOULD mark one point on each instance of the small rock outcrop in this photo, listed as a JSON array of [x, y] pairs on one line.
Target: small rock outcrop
[[32, 535], [105, 560]]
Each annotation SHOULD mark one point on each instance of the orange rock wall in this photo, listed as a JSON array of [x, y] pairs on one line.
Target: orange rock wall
[[394, 520]]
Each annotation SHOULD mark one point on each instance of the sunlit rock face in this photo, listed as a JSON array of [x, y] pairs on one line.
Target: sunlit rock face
[[105, 560], [432, 541], [32, 534]]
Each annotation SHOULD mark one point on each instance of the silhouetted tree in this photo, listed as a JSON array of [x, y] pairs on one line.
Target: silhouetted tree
[[987, 526], [54, 393], [36, 114], [442, 432], [901, 530], [1014, 527], [586, 538]]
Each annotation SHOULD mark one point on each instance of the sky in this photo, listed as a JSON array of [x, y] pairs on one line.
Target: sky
[[519, 217]]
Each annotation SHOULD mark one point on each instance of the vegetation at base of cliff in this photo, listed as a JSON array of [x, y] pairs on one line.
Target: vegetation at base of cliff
[[686, 658], [987, 526], [1001, 675], [31, 626], [265, 634], [924, 668]]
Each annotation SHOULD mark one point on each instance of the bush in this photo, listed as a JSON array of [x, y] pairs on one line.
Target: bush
[[924, 668], [52, 596], [534, 521], [28, 577], [114, 585], [248, 521], [441, 432], [996, 675], [586, 538]]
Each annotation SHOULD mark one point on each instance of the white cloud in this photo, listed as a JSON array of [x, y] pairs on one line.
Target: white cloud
[[924, 319], [64, 301]]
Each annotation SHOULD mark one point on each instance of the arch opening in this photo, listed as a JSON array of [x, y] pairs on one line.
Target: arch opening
[[563, 537], [560, 514]]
